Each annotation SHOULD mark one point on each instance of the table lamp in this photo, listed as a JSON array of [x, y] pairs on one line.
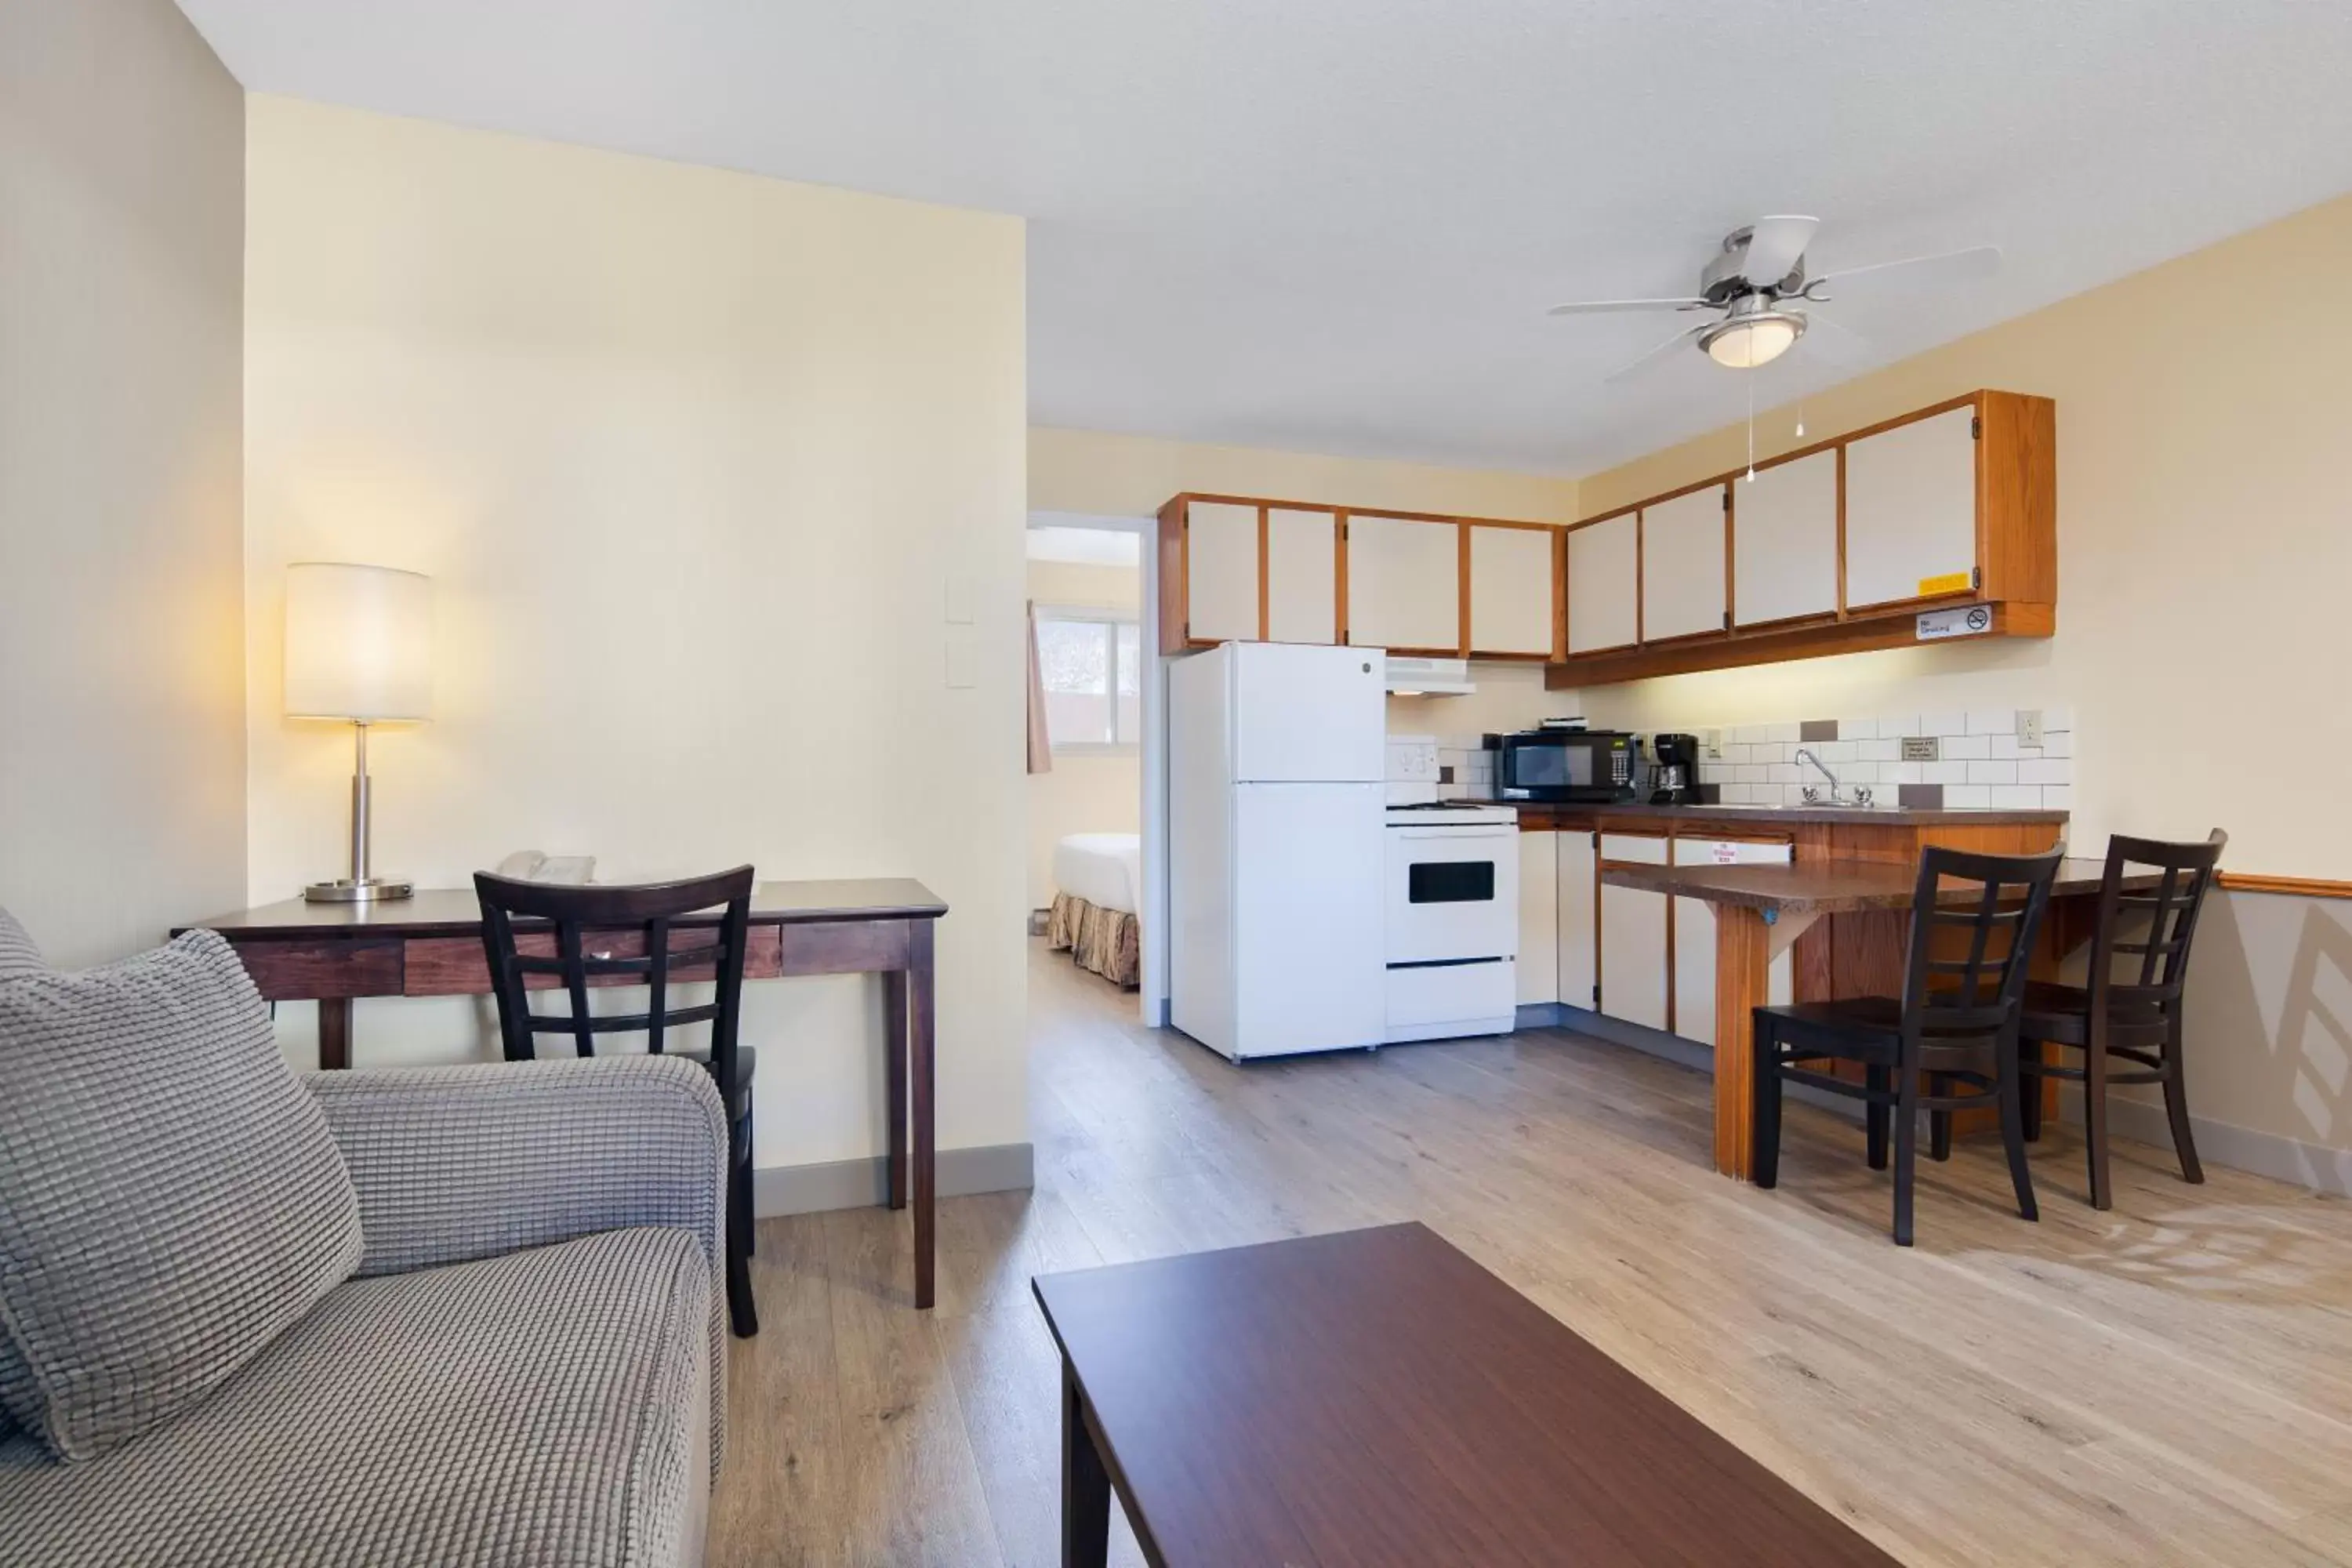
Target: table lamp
[[359, 646]]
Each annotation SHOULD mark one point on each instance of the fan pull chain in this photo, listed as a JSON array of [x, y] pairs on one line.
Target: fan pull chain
[[1800, 419], [1751, 427]]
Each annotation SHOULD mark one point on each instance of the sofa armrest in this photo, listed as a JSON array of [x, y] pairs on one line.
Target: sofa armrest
[[459, 1162]]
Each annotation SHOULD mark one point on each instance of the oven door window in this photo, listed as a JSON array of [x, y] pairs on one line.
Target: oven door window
[[1450, 882]]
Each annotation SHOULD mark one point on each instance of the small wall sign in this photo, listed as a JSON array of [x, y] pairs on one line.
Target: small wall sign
[[1937, 624]]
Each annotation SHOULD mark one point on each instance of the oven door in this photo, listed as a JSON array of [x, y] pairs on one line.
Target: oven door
[[1453, 894]]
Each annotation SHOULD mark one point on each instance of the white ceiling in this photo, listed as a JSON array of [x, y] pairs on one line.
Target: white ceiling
[[1333, 225]]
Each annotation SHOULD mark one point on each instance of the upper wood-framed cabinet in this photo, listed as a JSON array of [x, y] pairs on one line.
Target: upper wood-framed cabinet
[[1686, 588], [1604, 584], [1835, 548], [1302, 574], [1784, 538], [1404, 583], [1511, 590], [1239, 568]]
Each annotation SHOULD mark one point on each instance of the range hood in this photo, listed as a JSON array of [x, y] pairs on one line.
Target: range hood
[[1429, 677]]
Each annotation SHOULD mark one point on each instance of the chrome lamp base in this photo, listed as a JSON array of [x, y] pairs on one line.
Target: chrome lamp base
[[362, 887], [343, 890]]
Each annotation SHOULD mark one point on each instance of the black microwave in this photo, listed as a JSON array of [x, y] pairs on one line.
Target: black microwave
[[1588, 767]]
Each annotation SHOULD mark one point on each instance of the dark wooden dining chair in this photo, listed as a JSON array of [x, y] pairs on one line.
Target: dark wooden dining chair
[[643, 936], [2127, 1021], [1948, 1044]]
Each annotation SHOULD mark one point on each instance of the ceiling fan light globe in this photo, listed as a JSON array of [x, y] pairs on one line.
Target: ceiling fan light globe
[[1747, 341]]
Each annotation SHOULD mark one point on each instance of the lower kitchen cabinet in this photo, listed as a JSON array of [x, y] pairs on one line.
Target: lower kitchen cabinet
[[1694, 935], [1578, 971], [1538, 956], [1633, 937]]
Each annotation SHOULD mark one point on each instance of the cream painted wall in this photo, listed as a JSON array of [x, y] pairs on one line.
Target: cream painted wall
[[1130, 475], [1083, 794], [121, 588], [2204, 540], [691, 457]]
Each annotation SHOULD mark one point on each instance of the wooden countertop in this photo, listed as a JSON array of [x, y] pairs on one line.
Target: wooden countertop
[[1823, 887], [1542, 816], [455, 911]]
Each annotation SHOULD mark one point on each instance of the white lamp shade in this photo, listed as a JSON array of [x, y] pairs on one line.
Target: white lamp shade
[[358, 643]]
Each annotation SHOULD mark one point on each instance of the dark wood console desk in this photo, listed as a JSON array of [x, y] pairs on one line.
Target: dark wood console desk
[[431, 945]]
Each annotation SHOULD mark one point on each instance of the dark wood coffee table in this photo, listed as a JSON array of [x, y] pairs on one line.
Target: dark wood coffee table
[[1375, 1397]]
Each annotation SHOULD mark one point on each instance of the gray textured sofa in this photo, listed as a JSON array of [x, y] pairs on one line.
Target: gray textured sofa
[[527, 1366]]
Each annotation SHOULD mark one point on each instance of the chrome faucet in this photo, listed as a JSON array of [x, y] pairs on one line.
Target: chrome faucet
[[1813, 793]]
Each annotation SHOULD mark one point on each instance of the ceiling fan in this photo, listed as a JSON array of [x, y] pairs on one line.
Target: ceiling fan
[[1767, 298]]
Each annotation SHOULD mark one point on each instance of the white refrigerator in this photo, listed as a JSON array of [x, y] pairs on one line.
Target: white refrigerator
[[1276, 760]]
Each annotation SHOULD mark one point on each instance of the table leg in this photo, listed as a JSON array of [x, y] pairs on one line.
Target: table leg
[[335, 1033], [894, 1033], [920, 1023], [1085, 1484], [1742, 967]]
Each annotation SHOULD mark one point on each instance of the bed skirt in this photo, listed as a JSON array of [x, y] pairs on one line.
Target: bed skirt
[[1108, 942]]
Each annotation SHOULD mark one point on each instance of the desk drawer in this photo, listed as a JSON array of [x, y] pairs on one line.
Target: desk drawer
[[454, 966], [310, 971], [845, 947]]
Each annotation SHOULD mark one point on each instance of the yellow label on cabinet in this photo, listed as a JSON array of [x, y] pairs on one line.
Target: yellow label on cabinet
[[1950, 583]]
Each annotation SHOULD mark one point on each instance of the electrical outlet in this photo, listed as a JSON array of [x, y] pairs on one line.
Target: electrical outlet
[[1923, 749], [1710, 743], [2029, 726]]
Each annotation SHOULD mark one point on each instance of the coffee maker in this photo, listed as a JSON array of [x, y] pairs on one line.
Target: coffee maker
[[1674, 769]]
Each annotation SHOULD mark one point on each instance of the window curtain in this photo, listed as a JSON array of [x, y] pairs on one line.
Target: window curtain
[[1041, 745]]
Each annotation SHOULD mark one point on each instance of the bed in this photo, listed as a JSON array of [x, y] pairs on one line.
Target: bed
[[1098, 896]]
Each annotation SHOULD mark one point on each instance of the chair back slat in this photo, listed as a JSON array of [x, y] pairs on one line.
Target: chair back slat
[[1972, 1000], [592, 929], [2171, 910]]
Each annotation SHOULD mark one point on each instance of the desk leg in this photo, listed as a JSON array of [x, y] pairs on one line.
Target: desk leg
[[919, 1022], [1085, 1484], [895, 983], [1742, 969], [335, 1033]]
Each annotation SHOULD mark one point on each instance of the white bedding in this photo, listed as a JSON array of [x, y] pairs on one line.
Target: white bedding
[[1104, 868]]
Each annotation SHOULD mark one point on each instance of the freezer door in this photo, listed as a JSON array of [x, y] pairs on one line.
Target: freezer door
[[1304, 714], [1307, 964]]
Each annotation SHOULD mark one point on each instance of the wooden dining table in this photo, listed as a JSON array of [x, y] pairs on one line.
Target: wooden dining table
[[430, 945], [1761, 910]]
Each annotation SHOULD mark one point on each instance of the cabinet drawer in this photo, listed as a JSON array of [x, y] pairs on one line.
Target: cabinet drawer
[[1477, 997]]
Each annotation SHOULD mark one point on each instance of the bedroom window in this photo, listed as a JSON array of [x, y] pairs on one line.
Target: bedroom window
[[1091, 662]]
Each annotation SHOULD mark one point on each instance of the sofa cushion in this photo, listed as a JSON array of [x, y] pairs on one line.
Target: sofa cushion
[[541, 1407], [18, 956], [171, 1197]]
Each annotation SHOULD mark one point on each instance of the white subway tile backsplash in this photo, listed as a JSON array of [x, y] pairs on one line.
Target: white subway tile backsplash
[[1910, 773], [1749, 772], [1899, 725], [1983, 765], [1967, 748], [1993, 721], [2014, 797], [2057, 797], [2046, 771], [1968, 797], [2057, 742], [1857, 729], [1943, 772], [2005, 747], [2057, 719], [1889, 750], [1942, 724], [1749, 734], [1992, 773], [1785, 734], [1836, 752], [1784, 773]]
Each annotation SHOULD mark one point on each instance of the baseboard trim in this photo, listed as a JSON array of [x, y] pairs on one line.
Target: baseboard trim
[[1669, 1048], [2282, 1159], [862, 1184]]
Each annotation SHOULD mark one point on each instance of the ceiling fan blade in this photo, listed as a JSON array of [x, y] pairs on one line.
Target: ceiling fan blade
[[1833, 341], [1596, 307], [1948, 266], [1656, 356], [1775, 247]]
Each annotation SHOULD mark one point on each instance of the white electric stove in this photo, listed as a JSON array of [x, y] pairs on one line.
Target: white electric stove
[[1451, 915]]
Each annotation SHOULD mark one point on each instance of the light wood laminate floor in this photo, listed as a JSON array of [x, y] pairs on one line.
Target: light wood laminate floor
[[2168, 1383]]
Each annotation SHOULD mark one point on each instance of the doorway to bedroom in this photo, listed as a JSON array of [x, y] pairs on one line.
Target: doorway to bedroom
[[1093, 716]]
